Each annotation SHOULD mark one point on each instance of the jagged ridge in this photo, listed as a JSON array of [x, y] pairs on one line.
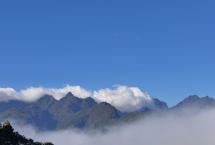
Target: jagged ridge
[[73, 112]]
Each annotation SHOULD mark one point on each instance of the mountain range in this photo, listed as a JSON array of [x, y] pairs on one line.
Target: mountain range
[[47, 113]]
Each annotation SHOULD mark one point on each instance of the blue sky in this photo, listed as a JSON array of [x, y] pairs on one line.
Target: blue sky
[[164, 47]]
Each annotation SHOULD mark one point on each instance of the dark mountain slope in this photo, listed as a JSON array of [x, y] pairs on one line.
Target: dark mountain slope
[[9, 137], [101, 115], [69, 112], [33, 115], [12, 104], [73, 112]]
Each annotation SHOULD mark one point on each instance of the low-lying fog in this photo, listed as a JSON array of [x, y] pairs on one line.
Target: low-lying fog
[[171, 129]]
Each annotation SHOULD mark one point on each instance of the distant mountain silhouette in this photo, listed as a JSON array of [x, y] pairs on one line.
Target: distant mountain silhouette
[[48, 113], [197, 102], [73, 112]]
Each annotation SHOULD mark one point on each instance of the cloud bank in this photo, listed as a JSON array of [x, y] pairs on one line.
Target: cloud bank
[[34, 93], [124, 98], [170, 129]]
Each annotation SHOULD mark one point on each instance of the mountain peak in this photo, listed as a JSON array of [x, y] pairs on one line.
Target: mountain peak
[[196, 101], [69, 94], [47, 98], [159, 105], [193, 97], [90, 101], [68, 97], [45, 102]]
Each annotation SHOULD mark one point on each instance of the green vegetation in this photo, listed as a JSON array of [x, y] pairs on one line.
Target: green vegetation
[[9, 137]]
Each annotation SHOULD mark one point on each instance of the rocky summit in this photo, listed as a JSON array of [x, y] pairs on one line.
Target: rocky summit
[[47, 113]]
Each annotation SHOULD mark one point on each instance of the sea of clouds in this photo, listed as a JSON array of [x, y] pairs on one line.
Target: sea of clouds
[[168, 129], [124, 98], [186, 128]]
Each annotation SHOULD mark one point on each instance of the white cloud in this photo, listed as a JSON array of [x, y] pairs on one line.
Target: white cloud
[[123, 98], [57, 93], [34, 93], [8, 94]]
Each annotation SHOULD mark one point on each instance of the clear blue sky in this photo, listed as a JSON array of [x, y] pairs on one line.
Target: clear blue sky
[[165, 47]]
